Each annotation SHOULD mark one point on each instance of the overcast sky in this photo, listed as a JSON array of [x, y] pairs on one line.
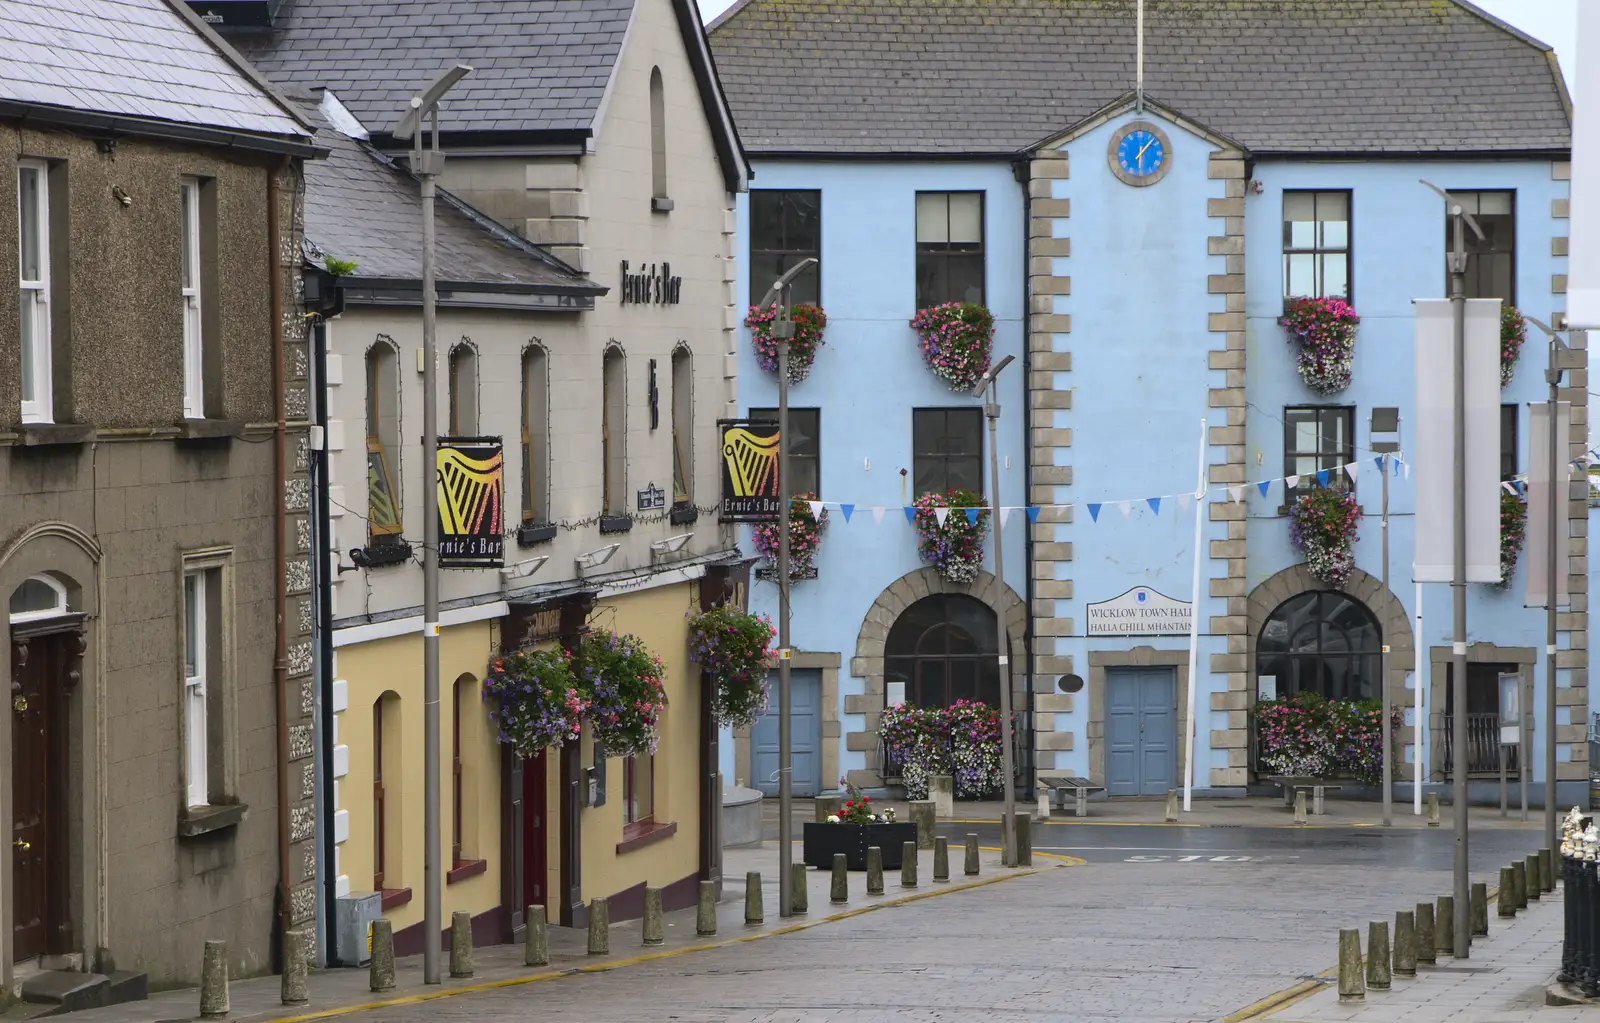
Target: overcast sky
[[1553, 22]]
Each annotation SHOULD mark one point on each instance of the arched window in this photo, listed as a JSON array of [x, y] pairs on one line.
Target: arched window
[[1320, 642], [614, 431], [464, 390], [383, 440], [658, 140], [386, 803], [944, 648], [38, 597], [682, 426], [535, 435]]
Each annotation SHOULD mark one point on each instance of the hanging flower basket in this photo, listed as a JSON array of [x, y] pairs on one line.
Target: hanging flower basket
[[975, 760], [957, 339], [805, 538], [917, 743], [809, 321], [623, 682], [736, 648], [1513, 332], [1305, 735], [1323, 524], [536, 700], [1513, 531], [954, 545], [1325, 331]]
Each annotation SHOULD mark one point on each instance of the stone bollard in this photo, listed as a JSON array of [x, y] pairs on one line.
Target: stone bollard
[[1444, 924], [1172, 806], [754, 910], [293, 985], [655, 929], [874, 870], [941, 859], [970, 868], [1378, 955], [705, 910], [460, 944], [214, 980], [381, 974], [536, 940], [1433, 809], [1352, 985], [1547, 865], [1478, 910], [599, 927], [1300, 806], [1507, 899], [908, 865], [799, 897], [922, 817], [943, 791], [839, 889], [1519, 883], [1024, 840], [1535, 883], [1426, 949], [1405, 943]]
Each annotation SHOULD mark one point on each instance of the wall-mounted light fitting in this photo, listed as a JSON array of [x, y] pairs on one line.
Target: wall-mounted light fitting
[[671, 545], [596, 558], [523, 569]]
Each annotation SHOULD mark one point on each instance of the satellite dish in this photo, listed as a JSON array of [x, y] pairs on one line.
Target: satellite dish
[[1070, 683]]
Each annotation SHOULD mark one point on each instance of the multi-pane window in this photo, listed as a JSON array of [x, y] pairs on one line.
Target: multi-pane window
[[804, 447], [949, 248], [1317, 438], [1316, 245], [682, 426], [1491, 262], [946, 450], [613, 432], [194, 386], [462, 688], [638, 789], [1508, 442], [205, 679], [33, 242], [535, 435], [380, 830], [383, 441], [463, 390], [196, 723], [785, 227]]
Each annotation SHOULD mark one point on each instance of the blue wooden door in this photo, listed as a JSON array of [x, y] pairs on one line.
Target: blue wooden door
[[1141, 731], [805, 736]]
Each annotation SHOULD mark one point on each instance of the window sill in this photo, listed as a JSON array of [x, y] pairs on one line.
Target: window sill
[[616, 523], [378, 554], [464, 869], [535, 533], [683, 514], [642, 833], [394, 898], [203, 820], [38, 435], [210, 429]]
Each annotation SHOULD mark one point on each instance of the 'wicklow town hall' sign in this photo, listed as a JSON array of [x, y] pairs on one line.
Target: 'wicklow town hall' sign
[[1140, 612], [647, 287]]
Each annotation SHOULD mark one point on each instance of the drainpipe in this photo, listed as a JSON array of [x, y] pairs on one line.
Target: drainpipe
[[322, 532], [1022, 170], [280, 596]]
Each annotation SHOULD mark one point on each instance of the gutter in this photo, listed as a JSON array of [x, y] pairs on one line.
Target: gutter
[[49, 115]]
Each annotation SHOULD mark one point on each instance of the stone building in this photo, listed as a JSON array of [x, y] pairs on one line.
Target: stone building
[[1155, 239], [151, 498]]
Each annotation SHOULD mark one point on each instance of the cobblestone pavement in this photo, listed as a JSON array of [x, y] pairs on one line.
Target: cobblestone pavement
[[1141, 941]]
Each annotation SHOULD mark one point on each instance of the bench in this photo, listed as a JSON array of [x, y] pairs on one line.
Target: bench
[[1082, 789], [1316, 786]]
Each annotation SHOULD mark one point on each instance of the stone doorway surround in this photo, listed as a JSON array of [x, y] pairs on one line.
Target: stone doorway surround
[[1394, 625], [1138, 657], [828, 665], [867, 664]]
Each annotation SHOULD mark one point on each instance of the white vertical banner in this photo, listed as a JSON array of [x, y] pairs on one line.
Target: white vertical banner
[[1435, 445], [1583, 261], [1535, 558]]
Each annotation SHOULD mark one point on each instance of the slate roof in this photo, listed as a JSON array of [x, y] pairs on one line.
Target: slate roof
[[362, 206], [538, 65], [132, 59], [999, 76]]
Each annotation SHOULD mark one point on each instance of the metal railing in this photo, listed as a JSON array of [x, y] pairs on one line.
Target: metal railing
[[1483, 746], [1580, 899]]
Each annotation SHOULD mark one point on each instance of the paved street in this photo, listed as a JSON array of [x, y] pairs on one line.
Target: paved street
[[1157, 926]]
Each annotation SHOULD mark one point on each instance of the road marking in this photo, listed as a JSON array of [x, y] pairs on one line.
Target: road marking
[[1203, 859]]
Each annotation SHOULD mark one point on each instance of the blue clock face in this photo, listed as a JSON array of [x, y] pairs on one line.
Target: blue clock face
[[1141, 154]]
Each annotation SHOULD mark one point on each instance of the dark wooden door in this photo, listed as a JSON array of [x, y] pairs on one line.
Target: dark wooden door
[[535, 877], [36, 794]]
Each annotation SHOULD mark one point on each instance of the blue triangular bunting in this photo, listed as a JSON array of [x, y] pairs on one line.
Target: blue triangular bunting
[[845, 510], [1263, 486], [1322, 477], [911, 515], [1033, 513], [1378, 462], [1154, 503], [1094, 513], [972, 516]]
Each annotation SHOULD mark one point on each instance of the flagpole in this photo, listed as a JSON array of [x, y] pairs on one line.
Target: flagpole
[[1194, 626]]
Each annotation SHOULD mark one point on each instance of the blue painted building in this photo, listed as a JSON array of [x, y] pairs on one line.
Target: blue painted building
[[1275, 152]]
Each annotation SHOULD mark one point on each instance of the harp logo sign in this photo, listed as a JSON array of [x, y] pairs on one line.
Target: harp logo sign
[[471, 483], [749, 471]]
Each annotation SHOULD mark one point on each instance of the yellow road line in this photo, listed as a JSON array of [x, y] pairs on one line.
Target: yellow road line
[[539, 978]]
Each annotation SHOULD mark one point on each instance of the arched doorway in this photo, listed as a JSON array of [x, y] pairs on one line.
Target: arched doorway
[[1323, 642], [941, 649]]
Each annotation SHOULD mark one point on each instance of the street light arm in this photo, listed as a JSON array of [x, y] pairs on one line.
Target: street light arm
[[990, 375], [1457, 208], [783, 282], [426, 100]]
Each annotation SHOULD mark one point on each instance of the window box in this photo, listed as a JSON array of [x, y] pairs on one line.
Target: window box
[[38, 435], [796, 574], [642, 833], [203, 820], [379, 555], [616, 523], [683, 514], [822, 840], [464, 869], [535, 533], [210, 429]]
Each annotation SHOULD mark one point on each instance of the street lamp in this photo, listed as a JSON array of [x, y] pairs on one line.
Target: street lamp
[[783, 331], [426, 164], [988, 390]]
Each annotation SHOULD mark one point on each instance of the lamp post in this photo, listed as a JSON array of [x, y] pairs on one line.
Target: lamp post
[[1386, 421], [988, 389], [783, 330], [426, 164]]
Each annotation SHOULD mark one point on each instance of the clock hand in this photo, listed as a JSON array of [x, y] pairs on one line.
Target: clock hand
[[1140, 158]]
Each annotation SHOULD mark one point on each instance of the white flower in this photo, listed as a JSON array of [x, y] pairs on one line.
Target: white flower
[[833, 818]]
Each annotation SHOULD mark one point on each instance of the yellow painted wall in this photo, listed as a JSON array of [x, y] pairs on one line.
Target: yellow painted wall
[[658, 618], [395, 665]]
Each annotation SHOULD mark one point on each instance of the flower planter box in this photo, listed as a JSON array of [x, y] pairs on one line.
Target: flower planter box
[[822, 840]]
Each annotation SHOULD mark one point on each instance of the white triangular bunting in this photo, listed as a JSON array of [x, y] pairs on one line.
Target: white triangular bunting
[[1351, 469], [1005, 515], [941, 514], [1125, 507], [816, 509], [1183, 501], [1236, 494], [877, 515], [1291, 482], [1406, 468]]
